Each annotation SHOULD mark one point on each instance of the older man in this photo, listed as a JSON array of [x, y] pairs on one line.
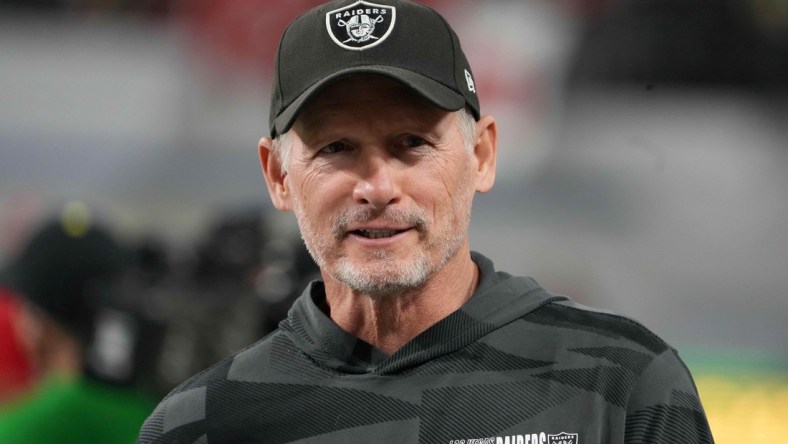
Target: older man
[[378, 146]]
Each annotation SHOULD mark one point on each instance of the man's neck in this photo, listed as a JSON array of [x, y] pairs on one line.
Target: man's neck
[[390, 322]]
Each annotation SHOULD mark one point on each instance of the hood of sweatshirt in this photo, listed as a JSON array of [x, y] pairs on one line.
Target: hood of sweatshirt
[[499, 299]]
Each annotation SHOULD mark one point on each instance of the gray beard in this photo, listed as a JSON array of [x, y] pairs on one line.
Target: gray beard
[[388, 277], [409, 276]]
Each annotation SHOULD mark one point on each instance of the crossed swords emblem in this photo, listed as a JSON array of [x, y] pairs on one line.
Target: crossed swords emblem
[[365, 23]]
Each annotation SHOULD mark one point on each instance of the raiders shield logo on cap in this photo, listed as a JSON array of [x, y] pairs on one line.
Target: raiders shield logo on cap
[[361, 25]]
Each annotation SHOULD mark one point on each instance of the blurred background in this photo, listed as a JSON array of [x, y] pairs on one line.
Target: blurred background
[[642, 165]]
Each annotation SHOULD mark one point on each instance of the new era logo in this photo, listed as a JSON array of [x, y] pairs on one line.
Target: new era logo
[[361, 25], [469, 80]]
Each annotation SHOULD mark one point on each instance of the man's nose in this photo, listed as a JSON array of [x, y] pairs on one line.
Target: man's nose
[[377, 185]]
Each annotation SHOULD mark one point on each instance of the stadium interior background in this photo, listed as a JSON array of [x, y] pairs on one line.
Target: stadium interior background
[[642, 167]]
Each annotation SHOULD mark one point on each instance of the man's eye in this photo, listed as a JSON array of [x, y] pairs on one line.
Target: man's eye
[[412, 141], [334, 147]]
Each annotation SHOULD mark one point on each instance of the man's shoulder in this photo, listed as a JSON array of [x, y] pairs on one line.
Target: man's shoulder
[[582, 321], [184, 408], [224, 369]]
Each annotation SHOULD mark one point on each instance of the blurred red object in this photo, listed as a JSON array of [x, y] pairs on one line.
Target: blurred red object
[[16, 373]]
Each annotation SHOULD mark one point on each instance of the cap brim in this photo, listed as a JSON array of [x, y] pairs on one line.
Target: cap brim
[[436, 92]]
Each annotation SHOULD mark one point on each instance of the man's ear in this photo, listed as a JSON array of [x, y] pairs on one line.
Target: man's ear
[[486, 152], [274, 176]]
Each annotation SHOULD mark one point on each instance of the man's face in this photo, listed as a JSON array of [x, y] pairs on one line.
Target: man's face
[[381, 184]]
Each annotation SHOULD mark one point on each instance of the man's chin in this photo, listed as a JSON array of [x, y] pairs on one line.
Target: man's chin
[[382, 279]]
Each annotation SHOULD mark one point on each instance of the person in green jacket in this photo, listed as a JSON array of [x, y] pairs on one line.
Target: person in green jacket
[[81, 349]]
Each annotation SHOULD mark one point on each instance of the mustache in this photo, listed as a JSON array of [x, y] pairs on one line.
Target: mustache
[[415, 217]]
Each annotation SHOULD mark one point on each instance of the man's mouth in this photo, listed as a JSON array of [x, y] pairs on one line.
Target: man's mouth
[[376, 234]]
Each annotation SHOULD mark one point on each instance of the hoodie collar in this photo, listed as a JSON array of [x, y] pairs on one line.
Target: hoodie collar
[[499, 299]]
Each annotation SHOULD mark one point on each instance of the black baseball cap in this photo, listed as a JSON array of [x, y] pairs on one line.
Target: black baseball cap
[[406, 41]]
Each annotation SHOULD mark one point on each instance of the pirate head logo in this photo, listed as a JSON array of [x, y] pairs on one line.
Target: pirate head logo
[[361, 25]]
